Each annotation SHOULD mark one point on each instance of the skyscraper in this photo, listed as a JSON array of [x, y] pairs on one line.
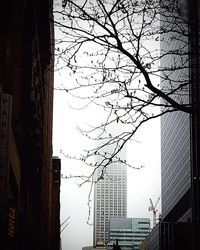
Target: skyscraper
[[175, 127], [180, 135], [110, 198]]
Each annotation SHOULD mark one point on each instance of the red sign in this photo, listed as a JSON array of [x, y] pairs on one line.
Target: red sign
[[11, 222]]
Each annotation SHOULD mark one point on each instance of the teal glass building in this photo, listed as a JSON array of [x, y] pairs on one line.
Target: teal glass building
[[130, 232]]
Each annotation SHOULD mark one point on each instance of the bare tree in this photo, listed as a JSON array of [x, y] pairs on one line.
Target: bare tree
[[114, 49]]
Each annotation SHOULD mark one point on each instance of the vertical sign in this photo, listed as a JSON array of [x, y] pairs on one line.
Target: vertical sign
[[5, 126]]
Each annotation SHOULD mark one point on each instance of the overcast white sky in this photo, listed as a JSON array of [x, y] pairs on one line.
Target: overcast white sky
[[142, 184]]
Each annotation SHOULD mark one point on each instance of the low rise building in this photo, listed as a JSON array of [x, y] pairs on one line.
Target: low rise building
[[129, 232], [94, 248]]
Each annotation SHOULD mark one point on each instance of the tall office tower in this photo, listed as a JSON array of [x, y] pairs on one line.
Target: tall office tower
[[175, 127], [176, 141], [194, 17], [110, 198], [180, 133]]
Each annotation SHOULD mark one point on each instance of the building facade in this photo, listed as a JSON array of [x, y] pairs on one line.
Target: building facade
[[152, 242], [167, 236], [110, 198], [194, 49], [26, 87], [130, 232], [175, 127], [180, 133]]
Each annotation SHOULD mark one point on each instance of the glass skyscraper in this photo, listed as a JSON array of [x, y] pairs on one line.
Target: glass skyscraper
[[175, 127]]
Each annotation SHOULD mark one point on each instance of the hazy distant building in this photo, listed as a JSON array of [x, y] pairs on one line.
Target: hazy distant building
[[110, 198], [130, 232]]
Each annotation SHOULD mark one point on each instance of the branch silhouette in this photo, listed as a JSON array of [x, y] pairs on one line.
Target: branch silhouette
[[114, 50]]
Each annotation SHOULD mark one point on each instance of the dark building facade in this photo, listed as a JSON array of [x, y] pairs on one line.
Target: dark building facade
[[180, 168], [180, 225], [175, 127], [55, 204], [194, 8], [27, 176], [168, 235], [153, 240], [175, 165]]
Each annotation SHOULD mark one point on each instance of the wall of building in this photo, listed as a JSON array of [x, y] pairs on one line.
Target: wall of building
[[194, 20], [180, 157], [152, 242], [175, 161], [175, 127], [26, 74]]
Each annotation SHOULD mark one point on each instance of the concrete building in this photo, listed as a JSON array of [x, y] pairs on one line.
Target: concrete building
[[110, 198], [27, 213], [130, 232]]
